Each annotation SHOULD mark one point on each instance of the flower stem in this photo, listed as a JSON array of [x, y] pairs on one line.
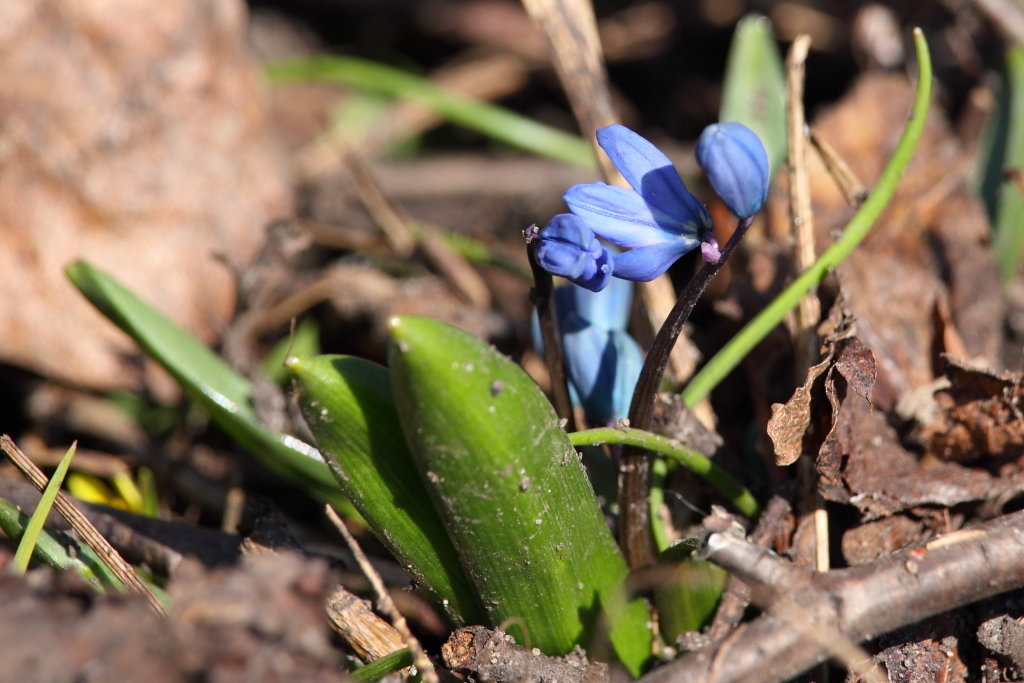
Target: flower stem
[[634, 521], [541, 296]]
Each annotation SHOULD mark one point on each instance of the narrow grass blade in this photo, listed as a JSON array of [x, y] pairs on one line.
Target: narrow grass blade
[[209, 381], [388, 664], [51, 552], [512, 493], [730, 355], [491, 120], [27, 544], [347, 404], [754, 87]]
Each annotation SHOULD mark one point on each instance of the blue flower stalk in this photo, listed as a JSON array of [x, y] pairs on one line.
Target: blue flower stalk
[[657, 221]]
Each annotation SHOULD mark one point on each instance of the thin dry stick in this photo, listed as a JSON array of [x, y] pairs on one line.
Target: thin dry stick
[[809, 310], [846, 180], [808, 313], [400, 231], [384, 602], [106, 552]]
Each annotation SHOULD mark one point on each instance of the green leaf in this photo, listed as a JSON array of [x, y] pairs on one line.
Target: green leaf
[[688, 600], [512, 492], [209, 381], [1001, 149], [754, 87], [347, 403], [388, 664], [52, 552], [27, 544], [496, 122]]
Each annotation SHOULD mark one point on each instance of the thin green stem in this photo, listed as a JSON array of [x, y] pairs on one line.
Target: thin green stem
[[742, 499], [757, 329]]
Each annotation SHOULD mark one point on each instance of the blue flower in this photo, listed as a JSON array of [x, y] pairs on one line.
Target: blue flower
[[602, 361], [735, 162], [659, 220], [568, 248]]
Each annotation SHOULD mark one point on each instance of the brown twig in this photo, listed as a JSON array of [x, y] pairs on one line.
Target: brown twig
[[106, 552], [840, 172], [804, 609], [384, 602], [736, 597], [808, 312]]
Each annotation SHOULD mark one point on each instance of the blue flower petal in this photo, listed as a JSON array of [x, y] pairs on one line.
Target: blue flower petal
[[608, 309], [652, 174], [622, 216], [568, 248], [646, 263], [629, 361]]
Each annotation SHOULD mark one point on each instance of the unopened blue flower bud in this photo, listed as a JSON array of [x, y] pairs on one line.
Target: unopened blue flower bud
[[736, 163], [568, 248]]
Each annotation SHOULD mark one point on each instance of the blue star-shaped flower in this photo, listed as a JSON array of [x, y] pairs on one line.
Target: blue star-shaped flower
[[659, 220]]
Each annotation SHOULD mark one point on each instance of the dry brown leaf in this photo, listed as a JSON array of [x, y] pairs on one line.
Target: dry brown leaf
[[862, 463], [793, 422], [979, 415], [135, 139], [930, 240]]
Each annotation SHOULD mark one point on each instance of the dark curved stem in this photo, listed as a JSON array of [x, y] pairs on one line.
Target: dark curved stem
[[634, 521], [541, 296]]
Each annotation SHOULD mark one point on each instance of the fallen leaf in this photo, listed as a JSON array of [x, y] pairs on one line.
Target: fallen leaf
[[136, 140]]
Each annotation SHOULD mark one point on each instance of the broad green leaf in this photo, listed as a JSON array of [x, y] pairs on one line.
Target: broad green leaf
[[207, 380], [754, 88], [512, 492], [491, 120], [347, 403]]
